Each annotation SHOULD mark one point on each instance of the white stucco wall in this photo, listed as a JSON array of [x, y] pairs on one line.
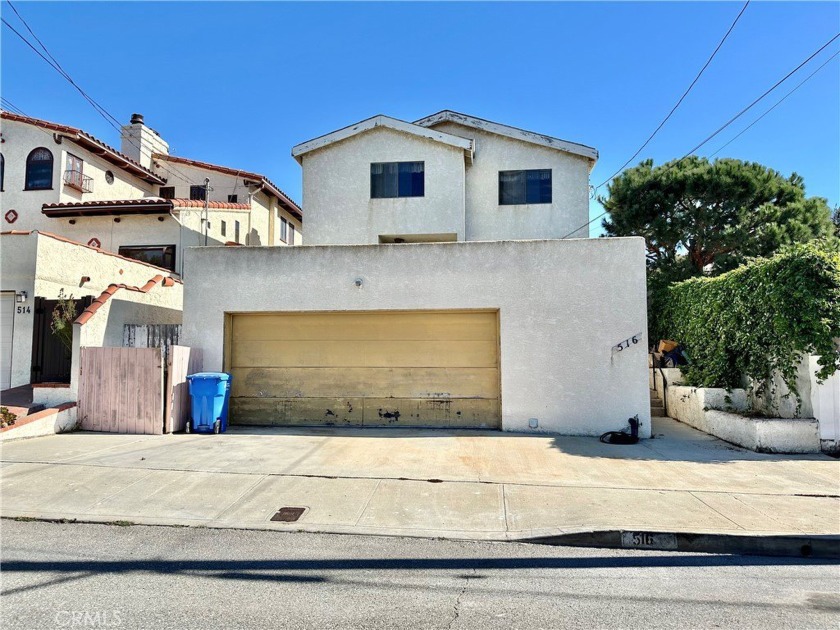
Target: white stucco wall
[[336, 190], [563, 306], [487, 220], [711, 410], [42, 266], [19, 140]]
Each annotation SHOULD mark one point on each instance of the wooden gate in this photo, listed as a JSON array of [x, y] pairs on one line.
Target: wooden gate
[[121, 390], [181, 362]]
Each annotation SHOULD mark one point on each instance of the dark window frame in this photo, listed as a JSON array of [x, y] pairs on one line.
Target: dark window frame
[[233, 198], [291, 240], [2, 173], [167, 190], [531, 189], [29, 165], [223, 227], [198, 193], [397, 180], [284, 230], [168, 254]]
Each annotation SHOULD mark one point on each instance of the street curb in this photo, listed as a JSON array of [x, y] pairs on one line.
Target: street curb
[[799, 546]]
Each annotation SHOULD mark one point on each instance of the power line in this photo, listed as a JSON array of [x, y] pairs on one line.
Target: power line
[[779, 102], [681, 99], [109, 118], [755, 102], [730, 121]]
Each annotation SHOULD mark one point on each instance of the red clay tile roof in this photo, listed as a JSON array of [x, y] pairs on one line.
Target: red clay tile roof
[[144, 205], [271, 188], [108, 293], [96, 249], [89, 142]]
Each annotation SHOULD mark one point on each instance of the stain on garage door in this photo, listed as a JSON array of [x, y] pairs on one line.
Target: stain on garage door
[[417, 368]]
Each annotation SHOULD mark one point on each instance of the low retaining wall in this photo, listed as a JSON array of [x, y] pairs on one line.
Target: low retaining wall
[[716, 411], [52, 394], [47, 422]]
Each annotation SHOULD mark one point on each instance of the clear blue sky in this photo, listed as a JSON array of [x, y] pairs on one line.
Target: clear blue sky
[[241, 83]]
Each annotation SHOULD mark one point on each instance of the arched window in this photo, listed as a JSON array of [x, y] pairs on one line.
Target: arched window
[[39, 166], [2, 172]]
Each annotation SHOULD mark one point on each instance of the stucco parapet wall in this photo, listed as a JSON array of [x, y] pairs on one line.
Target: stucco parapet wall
[[718, 412], [563, 306], [61, 239], [59, 419]]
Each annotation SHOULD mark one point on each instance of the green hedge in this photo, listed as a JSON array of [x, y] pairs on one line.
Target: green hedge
[[760, 317]]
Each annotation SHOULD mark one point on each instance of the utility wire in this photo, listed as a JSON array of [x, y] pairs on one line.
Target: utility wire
[[730, 121], [109, 118], [755, 102], [779, 102], [682, 98]]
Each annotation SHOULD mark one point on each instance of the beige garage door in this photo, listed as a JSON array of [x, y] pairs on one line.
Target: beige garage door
[[414, 368]]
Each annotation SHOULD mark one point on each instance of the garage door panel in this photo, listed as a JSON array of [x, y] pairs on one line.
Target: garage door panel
[[357, 353], [363, 382], [455, 412], [376, 368], [395, 326], [300, 411]]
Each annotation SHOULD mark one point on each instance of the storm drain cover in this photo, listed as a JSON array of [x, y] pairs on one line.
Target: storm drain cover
[[288, 514]]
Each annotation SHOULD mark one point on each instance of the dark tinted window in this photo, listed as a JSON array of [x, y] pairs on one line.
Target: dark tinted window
[[233, 198], [168, 192], [521, 187], [39, 166], [198, 192], [160, 255], [2, 171], [397, 179]]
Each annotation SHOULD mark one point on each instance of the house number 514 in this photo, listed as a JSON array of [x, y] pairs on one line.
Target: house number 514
[[24, 309]]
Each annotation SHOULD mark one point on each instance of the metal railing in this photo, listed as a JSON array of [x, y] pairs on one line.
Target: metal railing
[[78, 180]]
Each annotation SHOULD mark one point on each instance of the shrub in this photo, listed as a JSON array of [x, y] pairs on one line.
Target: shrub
[[759, 318]]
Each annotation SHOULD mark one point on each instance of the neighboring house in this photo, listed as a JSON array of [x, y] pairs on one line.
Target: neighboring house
[[419, 300], [139, 202], [83, 218], [447, 177], [110, 291]]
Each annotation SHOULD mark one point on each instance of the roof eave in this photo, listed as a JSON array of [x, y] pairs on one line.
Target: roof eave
[[574, 148]]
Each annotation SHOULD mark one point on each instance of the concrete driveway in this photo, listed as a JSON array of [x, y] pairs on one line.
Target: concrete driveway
[[460, 484]]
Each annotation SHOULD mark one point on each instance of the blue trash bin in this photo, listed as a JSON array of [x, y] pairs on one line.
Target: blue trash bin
[[210, 395]]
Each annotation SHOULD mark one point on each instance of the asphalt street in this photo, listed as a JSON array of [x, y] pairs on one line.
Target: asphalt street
[[110, 576]]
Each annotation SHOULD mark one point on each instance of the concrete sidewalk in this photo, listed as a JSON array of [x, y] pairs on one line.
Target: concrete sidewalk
[[454, 484]]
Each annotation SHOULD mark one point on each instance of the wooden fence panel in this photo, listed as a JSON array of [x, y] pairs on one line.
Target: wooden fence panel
[[121, 390], [181, 362]]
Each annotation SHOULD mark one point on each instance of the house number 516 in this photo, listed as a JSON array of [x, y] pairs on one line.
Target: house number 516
[[630, 341]]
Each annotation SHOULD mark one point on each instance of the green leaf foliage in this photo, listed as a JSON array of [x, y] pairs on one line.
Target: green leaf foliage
[[759, 318], [700, 217]]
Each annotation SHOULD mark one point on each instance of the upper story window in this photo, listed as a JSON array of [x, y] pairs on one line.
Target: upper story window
[[159, 255], [397, 179], [284, 230], [2, 172], [198, 192], [521, 187], [291, 234], [167, 192], [233, 198], [75, 176], [39, 170]]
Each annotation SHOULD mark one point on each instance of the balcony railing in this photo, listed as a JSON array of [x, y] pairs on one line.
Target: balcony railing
[[78, 180]]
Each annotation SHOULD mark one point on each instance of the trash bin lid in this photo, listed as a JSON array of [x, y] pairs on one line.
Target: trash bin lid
[[216, 376]]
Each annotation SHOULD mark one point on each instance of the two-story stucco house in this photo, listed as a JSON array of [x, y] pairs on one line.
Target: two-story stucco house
[[437, 288], [82, 219]]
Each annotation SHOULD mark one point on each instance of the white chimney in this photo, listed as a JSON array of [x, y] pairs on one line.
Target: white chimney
[[140, 141]]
